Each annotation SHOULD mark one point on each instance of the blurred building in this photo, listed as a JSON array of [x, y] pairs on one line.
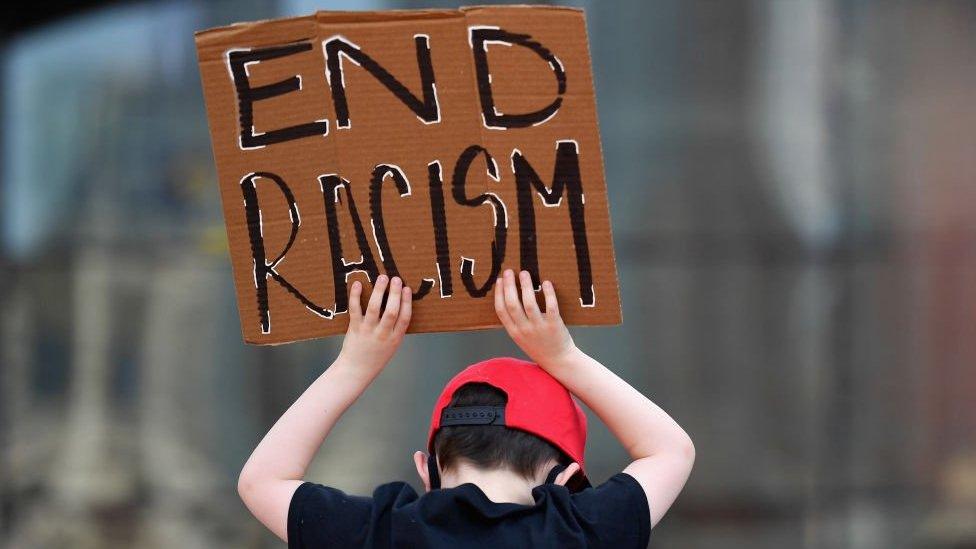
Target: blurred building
[[794, 209]]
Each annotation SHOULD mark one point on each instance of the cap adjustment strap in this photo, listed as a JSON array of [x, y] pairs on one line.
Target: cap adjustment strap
[[473, 415]]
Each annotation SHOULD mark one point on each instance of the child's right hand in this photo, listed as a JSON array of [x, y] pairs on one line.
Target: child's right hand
[[374, 336], [541, 335]]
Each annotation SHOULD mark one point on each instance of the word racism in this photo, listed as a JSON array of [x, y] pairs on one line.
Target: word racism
[[435, 96]]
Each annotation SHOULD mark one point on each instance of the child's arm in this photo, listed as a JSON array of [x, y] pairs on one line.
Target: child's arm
[[662, 452], [277, 466]]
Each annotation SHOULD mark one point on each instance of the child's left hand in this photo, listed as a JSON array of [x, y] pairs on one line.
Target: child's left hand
[[373, 337], [541, 335]]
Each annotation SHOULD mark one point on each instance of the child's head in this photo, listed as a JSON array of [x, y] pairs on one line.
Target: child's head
[[506, 414], [492, 446]]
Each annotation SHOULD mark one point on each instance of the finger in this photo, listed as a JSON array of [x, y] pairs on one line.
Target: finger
[[528, 296], [376, 298], [500, 303], [392, 303], [552, 306], [406, 310], [355, 305], [512, 304]]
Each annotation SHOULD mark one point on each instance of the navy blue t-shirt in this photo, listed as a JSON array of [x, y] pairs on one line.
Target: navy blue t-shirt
[[614, 514]]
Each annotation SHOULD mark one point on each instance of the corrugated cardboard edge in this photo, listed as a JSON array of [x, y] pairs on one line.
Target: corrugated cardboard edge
[[342, 16], [479, 327], [606, 184], [203, 37]]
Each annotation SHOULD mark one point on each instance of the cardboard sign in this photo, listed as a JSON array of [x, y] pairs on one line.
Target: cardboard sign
[[442, 146]]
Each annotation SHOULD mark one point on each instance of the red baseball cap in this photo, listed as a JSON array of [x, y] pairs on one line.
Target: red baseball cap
[[537, 404]]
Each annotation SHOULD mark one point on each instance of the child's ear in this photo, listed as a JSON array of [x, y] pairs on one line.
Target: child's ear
[[571, 469], [420, 462]]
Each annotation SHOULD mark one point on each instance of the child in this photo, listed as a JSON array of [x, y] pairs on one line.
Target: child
[[505, 467]]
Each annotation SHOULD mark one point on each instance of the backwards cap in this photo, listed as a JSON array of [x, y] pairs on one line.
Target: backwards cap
[[537, 404]]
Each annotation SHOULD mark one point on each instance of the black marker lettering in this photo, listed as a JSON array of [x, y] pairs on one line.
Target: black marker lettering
[[500, 219], [379, 227], [439, 220], [565, 178], [331, 185], [262, 267], [480, 38], [427, 110], [247, 96]]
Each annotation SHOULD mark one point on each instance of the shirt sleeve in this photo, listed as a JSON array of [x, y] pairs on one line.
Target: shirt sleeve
[[319, 516], [618, 512]]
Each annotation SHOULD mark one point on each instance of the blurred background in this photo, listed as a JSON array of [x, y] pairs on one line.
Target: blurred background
[[794, 211]]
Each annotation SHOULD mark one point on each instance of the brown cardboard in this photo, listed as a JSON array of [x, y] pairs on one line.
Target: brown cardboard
[[302, 67]]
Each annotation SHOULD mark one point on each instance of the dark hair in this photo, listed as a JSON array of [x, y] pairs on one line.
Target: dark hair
[[491, 446]]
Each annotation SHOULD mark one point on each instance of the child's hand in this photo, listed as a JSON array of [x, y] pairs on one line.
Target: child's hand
[[372, 338], [542, 336]]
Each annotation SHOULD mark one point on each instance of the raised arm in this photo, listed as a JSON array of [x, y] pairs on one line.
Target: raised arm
[[662, 451], [277, 466]]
